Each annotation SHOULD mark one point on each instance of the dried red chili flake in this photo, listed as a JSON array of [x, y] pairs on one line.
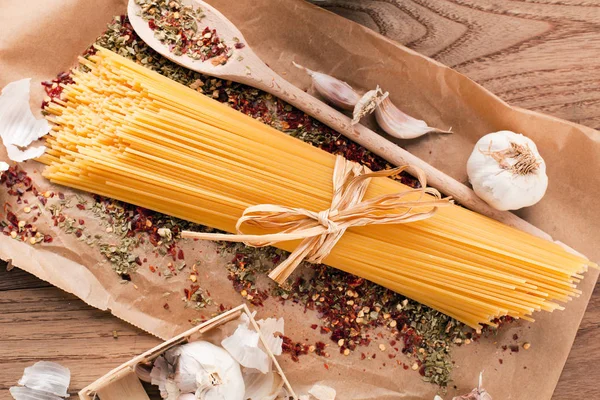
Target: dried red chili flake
[[47, 239], [54, 87], [12, 218], [180, 254], [189, 293], [500, 361], [514, 348], [326, 366], [78, 233], [363, 356], [314, 326], [295, 349], [138, 261], [166, 306], [80, 206], [405, 366], [239, 45], [81, 222], [152, 268]]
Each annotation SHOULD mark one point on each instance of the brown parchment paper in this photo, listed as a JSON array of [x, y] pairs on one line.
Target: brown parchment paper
[[41, 38]]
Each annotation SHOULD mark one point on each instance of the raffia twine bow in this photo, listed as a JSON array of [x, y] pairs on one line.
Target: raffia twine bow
[[320, 231]]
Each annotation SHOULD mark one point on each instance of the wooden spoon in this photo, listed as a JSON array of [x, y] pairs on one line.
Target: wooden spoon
[[244, 66]]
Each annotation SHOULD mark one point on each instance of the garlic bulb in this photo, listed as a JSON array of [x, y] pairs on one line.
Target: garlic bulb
[[201, 368], [398, 124], [335, 91], [367, 104], [507, 171]]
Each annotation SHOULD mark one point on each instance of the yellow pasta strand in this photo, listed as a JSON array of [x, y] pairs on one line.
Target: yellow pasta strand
[[128, 133]]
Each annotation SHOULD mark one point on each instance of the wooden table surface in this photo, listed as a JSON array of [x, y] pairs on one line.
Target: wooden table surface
[[543, 55]]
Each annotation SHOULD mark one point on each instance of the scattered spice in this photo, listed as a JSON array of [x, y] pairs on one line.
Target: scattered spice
[[350, 309]]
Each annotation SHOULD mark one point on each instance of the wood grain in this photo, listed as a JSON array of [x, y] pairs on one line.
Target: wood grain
[[538, 54]]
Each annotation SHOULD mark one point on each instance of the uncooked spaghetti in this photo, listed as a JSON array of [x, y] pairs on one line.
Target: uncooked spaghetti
[[128, 133]]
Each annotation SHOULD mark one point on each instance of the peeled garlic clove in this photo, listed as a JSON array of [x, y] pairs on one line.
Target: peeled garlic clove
[[398, 124], [187, 396], [48, 377], [335, 91], [507, 171], [367, 104]]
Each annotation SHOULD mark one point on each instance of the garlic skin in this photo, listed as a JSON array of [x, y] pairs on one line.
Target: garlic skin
[[322, 392], [243, 346], [368, 103], [507, 171], [25, 393], [400, 125], [48, 377], [261, 386], [335, 91], [18, 127]]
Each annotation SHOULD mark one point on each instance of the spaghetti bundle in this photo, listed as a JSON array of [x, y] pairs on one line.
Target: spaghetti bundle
[[131, 134]]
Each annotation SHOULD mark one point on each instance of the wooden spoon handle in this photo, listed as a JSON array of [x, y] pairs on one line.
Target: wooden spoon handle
[[269, 81]]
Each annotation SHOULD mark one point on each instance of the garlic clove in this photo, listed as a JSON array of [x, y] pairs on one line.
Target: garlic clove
[[335, 91], [47, 377], [398, 124], [159, 376], [507, 171], [187, 396], [143, 372], [368, 103]]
